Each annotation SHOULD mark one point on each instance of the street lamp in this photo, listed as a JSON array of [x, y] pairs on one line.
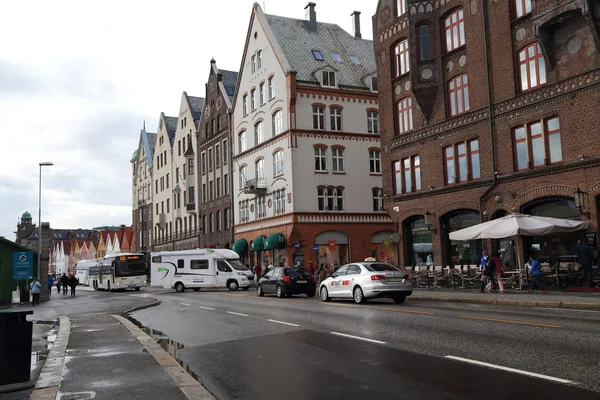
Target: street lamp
[[39, 244], [578, 194]]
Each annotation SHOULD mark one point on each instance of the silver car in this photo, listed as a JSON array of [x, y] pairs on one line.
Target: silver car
[[367, 280]]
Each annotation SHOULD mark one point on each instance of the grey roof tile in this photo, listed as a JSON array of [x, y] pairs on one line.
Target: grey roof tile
[[229, 79], [297, 44], [151, 141], [196, 103]]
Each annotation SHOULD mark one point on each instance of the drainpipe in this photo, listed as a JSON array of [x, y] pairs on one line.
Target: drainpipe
[[489, 96]]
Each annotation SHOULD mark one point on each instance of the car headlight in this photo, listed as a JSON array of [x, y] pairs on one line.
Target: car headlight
[[241, 273]]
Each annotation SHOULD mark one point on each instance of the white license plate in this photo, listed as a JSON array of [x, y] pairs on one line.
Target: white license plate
[[401, 280], [300, 281]]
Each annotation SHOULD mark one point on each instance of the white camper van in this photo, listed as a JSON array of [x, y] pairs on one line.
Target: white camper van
[[82, 269], [199, 268]]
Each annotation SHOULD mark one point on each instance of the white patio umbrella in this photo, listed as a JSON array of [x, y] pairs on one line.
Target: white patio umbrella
[[514, 225]]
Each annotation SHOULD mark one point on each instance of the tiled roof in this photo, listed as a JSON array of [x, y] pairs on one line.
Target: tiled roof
[[196, 103], [151, 144], [229, 79], [297, 44], [171, 123]]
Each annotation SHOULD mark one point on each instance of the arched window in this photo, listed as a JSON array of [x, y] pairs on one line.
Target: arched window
[[244, 105], [454, 29], [277, 127], [243, 176], [278, 163], [259, 59], [424, 43], [258, 133], [259, 169], [532, 67], [405, 115], [401, 58], [242, 141]]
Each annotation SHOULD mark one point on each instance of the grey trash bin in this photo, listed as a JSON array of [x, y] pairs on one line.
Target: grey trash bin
[[15, 347]]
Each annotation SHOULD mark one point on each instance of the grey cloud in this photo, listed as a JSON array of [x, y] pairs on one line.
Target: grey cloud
[[17, 79], [17, 195]]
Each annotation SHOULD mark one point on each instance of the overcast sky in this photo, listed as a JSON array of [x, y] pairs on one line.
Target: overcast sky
[[79, 78]]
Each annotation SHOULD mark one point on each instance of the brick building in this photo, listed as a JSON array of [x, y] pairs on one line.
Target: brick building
[[487, 108]]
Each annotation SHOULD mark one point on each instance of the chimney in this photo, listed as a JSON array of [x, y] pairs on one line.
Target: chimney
[[356, 24], [311, 17]]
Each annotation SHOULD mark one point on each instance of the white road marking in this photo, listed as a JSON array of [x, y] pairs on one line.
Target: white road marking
[[567, 309], [235, 313], [358, 337], [185, 304], [282, 323], [207, 308], [517, 371]]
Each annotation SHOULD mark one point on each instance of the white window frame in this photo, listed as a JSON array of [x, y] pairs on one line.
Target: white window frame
[[261, 93], [372, 121], [259, 59], [278, 163], [253, 99], [335, 119], [327, 78], [375, 162], [277, 125], [258, 133], [243, 171], [253, 62], [271, 88], [337, 159], [259, 169], [320, 159], [242, 145], [319, 118], [377, 195]]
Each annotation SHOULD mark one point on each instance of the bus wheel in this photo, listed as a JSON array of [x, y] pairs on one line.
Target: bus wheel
[[95, 285], [179, 287]]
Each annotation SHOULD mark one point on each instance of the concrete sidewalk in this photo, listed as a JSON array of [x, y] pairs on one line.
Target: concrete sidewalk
[[517, 298], [107, 357]]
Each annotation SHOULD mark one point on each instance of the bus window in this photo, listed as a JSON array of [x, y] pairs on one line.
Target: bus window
[[199, 264], [180, 263], [157, 259]]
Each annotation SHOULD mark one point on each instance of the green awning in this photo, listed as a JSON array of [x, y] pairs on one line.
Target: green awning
[[258, 244], [240, 246], [275, 241]]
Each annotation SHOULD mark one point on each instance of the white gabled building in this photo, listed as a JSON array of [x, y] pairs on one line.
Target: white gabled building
[[141, 195], [307, 158]]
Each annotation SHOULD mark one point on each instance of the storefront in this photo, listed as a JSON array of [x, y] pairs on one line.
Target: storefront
[[418, 246], [275, 244], [467, 252], [241, 247], [333, 248], [382, 249], [258, 255]]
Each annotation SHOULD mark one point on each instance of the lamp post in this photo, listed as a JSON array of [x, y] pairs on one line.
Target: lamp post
[[39, 241]]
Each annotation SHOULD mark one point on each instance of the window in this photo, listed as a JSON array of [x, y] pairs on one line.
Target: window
[[320, 159], [261, 206], [204, 224], [401, 58], [318, 117], [202, 166], [168, 180], [277, 123], [330, 198], [407, 175], [243, 171], [156, 186], [178, 146], [372, 122], [218, 186], [217, 155], [191, 195], [374, 84], [157, 208], [462, 162], [258, 133], [278, 163], [227, 217], [337, 159], [242, 141], [259, 169], [225, 184], [336, 57], [219, 122], [198, 264], [168, 205], [328, 78], [261, 92], [207, 127], [244, 211], [225, 152], [253, 62], [204, 192], [212, 222], [522, 7], [259, 59], [190, 168], [271, 88], [211, 190], [335, 119], [253, 100], [424, 43], [244, 105], [317, 55], [210, 159], [219, 221], [355, 60], [279, 202], [375, 161], [532, 67], [400, 7], [405, 115], [212, 126], [454, 27], [377, 194], [458, 91], [538, 144]]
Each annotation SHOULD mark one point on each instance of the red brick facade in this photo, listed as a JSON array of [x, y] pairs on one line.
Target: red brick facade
[[567, 34]]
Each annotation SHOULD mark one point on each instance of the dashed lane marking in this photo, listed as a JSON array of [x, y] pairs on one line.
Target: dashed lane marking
[[357, 337], [185, 304], [282, 322], [207, 308], [235, 313]]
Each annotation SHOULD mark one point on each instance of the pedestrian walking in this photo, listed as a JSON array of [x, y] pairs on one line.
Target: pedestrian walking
[[73, 282], [58, 285], [585, 258], [497, 273], [64, 282], [311, 269], [322, 272], [487, 272], [50, 284], [537, 274], [35, 291], [257, 271]]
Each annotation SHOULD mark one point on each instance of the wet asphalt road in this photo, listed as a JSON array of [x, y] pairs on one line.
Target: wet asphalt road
[[245, 347]]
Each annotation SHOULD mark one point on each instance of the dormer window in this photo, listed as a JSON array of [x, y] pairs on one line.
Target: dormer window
[[318, 55], [374, 86], [328, 78]]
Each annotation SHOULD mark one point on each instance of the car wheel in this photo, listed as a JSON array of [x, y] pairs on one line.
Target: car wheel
[[95, 286], [109, 289], [233, 285], [399, 299], [279, 291], [259, 291], [196, 289], [358, 295], [311, 294], [246, 288], [179, 287], [325, 294], [137, 289]]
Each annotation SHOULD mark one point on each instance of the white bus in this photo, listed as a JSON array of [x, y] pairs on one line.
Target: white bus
[[200, 268], [82, 270], [120, 272]]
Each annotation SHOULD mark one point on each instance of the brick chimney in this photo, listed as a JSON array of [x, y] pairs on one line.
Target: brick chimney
[[311, 17], [356, 24]]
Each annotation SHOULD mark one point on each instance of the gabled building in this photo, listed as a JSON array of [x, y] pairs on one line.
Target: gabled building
[[142, 182], [214, 160], [162, 173], [307, 156]]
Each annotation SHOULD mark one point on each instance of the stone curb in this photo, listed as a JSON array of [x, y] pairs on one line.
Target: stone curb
[[46, 387], [16, 387], [514, 303], [144, 306], [190, 387]]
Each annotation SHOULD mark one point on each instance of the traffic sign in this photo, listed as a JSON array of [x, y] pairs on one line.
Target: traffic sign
[[22, 265], [297, 245], [315, 248]]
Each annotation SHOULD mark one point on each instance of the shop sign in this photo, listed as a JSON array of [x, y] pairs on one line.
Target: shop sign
[[591, 238], [297, 245], [331, 244]]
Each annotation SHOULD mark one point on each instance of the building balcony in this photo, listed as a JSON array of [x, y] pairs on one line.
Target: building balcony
[[177, 213], [141, 203], [191, 208], [254, 186]]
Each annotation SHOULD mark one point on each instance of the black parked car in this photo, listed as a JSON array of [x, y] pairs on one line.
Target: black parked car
[[286, 282]]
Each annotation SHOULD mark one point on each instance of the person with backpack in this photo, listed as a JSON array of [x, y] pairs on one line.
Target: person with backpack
[[64, 282], [497, 260], [487, 272]]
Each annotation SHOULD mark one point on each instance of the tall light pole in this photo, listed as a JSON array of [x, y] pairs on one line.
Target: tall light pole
[[39, 270]]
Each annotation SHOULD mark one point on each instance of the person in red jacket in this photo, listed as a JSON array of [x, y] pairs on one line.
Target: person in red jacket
[[497, 272]]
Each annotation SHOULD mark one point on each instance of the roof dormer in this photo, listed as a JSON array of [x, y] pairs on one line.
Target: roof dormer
[[327, 76]]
